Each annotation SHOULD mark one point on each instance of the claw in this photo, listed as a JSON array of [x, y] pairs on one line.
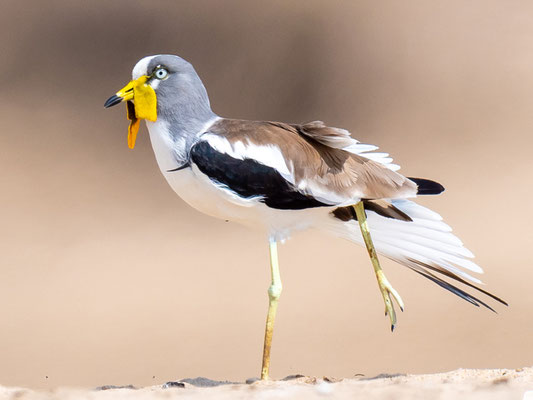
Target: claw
[[389, 293]]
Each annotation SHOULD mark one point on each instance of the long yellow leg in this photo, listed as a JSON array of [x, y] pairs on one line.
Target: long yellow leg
[[387, 291], [274, 291]]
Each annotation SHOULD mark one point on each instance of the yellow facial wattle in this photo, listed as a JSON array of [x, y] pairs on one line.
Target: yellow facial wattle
[[141, 103], [133, 128]]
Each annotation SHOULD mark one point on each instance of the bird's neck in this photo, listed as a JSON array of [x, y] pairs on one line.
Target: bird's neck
[[172, 139]]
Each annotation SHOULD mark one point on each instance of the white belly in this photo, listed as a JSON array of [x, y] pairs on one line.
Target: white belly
[[200, 192]]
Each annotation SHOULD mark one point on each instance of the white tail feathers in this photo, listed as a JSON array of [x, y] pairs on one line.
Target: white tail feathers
[[425, 239], [425, 245]]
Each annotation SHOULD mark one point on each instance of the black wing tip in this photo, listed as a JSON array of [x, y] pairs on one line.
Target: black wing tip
[[457, 291], [427, 186], [503, 302], [459, 279]]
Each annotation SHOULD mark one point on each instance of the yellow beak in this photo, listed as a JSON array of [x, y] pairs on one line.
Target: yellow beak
[[141, 104]]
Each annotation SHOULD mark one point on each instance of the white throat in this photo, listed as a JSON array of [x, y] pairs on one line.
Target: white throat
[[171, 152]]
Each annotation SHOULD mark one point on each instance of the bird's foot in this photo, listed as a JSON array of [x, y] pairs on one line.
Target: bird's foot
[[389, 293]]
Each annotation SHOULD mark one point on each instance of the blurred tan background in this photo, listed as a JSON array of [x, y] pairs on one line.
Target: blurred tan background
[[107, 277]]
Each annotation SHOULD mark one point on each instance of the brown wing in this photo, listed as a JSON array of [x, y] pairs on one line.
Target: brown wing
[[318, 164]]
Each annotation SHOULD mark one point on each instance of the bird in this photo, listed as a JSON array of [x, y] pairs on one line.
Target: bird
[[282, 178]]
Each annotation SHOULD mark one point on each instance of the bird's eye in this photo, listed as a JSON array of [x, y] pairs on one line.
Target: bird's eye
[[161, 73]]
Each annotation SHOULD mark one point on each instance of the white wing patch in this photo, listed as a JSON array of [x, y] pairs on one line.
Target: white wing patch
[[270, 155]]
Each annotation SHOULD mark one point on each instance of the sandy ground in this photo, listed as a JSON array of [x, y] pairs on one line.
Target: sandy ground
[[462, 383]]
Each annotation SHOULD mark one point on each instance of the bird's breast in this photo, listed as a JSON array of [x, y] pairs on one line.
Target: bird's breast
[[189, 183], [216, 200]]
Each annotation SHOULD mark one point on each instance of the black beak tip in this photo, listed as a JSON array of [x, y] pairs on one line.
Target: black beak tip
[[112, 101]]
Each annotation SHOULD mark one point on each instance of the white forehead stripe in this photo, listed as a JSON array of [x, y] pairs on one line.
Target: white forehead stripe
[[141, 68]]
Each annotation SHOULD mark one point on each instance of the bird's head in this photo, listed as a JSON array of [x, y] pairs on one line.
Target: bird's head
[[162, 86]]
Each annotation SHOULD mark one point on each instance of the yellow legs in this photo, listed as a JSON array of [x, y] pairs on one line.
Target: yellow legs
[[387, 291], [274, 291]]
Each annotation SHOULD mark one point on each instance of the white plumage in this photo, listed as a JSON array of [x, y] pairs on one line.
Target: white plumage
[[425, 239]]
